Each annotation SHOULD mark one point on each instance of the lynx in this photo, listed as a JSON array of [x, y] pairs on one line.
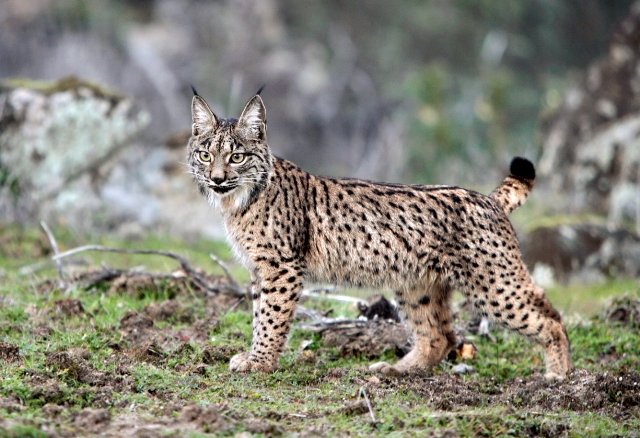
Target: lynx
[[423, 241]]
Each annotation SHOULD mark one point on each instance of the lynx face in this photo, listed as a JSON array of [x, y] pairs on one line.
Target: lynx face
[[229, 158]]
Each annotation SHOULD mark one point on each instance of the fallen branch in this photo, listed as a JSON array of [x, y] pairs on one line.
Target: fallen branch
[[235, 305], [322, 294], [183, 262], [54, 246], [363, 393], [323, 324], [195, 276], [225, 269]]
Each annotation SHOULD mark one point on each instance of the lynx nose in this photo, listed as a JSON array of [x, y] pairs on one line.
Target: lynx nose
[[217, 180]]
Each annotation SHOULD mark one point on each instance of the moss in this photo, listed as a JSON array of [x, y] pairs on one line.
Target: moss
[[68, 83]]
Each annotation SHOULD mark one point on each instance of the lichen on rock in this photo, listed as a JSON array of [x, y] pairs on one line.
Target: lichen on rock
[[590, 145], [56, 140]]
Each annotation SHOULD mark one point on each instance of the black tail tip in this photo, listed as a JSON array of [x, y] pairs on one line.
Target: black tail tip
[[195, 93], [522, 168]]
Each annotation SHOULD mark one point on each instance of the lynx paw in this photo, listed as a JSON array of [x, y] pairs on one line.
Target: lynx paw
[[384, 368], [242, 363], [554, 377]]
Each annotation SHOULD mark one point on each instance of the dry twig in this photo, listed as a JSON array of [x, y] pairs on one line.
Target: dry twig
[[324, 293], [323, 324], [54, 246], [183, 262], [226, 271], [235, 304], [198, 279], [363, 393]]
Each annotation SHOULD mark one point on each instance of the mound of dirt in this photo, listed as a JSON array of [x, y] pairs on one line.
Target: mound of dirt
[[92, 420], [75, 367], [219, 353], [9, 352], [614, 394], [47, 390], [169, 310], [134, 326], [11, 404], [207, 419], [67, 307], [149, 352], [618, 394], [369, 340], [623, 310], [178, 421]]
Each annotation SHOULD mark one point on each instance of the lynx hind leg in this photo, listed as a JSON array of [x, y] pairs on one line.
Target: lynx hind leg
[[509, 297], [428, 314]]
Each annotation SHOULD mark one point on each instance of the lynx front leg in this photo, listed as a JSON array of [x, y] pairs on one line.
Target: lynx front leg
[[255, 297], [279, 291]]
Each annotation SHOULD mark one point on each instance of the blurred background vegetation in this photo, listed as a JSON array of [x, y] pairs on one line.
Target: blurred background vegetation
[[426, 91], [434, 91]]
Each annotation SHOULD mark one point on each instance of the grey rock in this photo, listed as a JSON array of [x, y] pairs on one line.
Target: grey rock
[[583, 252], [591, 144]]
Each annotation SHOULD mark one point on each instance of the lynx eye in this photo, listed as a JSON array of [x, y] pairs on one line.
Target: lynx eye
[[237, 158], [204, 156]]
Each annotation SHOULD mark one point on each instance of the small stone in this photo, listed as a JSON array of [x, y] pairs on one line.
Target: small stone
[[462, 368]]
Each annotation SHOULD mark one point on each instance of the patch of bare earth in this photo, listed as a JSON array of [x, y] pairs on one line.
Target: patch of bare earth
[[369, 339], [72, 366], [623, 310], [9, 352], [613, 394], [67, 307], [175, 422], [146, 339]]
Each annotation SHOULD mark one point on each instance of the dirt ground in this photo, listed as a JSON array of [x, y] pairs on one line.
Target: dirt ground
[[161, 370]]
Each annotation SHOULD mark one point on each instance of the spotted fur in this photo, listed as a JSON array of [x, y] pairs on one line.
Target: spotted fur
[[287, 225]]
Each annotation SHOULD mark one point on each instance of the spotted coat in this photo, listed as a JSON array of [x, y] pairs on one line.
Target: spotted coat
[[423, 241]]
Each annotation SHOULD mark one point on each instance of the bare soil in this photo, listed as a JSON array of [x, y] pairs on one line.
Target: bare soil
[[370, 340], [9, 352], [77, 398], [614, 394]]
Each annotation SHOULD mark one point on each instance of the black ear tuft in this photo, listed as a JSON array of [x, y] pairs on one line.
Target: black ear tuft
[[260, 89], [195, 93], [523, 169]]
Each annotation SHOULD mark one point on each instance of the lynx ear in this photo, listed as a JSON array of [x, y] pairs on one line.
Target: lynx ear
[[252, 123], [203, 118]]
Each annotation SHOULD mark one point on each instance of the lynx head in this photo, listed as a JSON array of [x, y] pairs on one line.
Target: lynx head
[[229, 158]]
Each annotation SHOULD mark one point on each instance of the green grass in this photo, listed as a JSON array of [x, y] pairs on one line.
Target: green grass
[[304, 395], [589, 299]]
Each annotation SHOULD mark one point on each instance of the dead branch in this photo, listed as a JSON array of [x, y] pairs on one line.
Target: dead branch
[[235, 304], [198, 279], [99, 248], [54, 246], [225, 269], [321, 293], [323, 324], [363, 393]]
